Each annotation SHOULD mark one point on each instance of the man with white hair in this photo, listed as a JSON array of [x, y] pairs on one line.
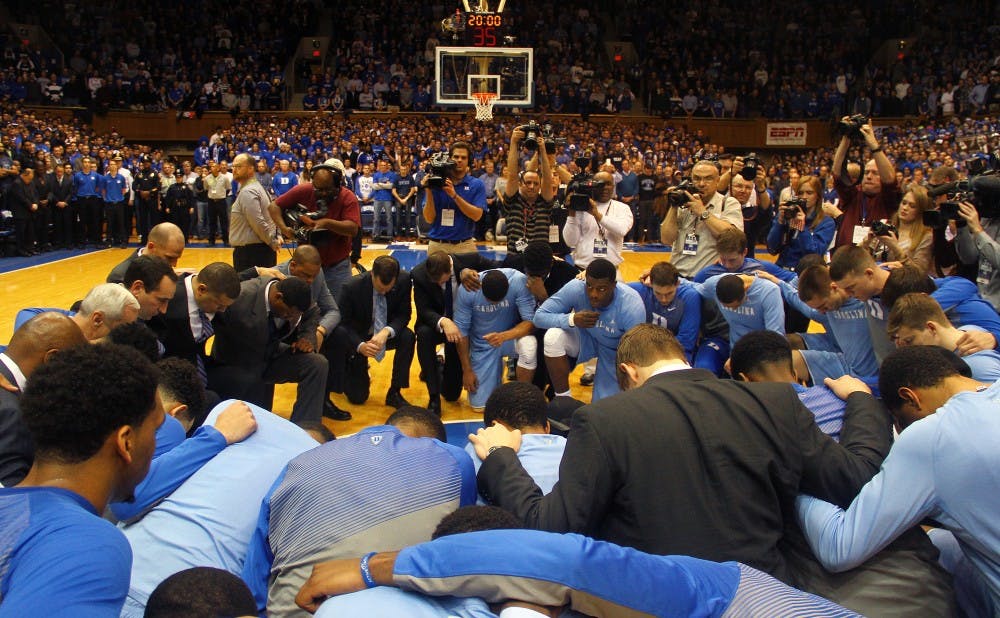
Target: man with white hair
[[105, 307]]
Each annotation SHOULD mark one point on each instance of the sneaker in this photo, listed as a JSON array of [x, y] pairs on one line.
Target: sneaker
[[587, 379]]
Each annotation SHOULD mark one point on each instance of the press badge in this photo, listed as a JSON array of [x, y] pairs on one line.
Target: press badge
[[600, 246], [448, 217], [860, 234], [690, 246], [985, 272], [521, 245], [553, 233]]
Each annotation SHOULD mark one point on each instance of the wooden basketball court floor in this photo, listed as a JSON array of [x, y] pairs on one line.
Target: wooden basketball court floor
[[62, 282]]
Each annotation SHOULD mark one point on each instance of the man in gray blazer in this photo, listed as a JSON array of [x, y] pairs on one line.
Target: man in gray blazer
[[259, 342]]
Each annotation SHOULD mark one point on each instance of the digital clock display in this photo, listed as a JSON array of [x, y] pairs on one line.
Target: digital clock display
[[483, 29]]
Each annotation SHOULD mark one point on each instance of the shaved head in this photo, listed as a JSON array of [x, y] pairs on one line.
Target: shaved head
[[40, 336]]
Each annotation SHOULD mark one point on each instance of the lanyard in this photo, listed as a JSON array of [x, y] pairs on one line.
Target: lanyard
[[600, 228]]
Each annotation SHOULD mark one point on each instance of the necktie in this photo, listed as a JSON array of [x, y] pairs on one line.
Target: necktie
[[380, 312], [206, 331], [449, 299]]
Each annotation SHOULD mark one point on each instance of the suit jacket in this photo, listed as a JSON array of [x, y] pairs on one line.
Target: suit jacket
[[428, 295], [243, 332], [173, 328], [20, 197], [17, 449], [690, 464], [117, 274], [355, 302], [60, 191]]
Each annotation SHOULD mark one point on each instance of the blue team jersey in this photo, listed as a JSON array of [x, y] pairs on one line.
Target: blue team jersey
[[57, 553], [762, 308], [848, 325], [749, 265], [682, 316], [470, 189], [625, 311], [476, 316]]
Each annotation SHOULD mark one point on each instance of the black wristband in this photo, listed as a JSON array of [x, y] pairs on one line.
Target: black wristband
[[874, 150]]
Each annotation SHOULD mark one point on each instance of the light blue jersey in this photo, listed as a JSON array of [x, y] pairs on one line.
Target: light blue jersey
[[476, 316], [762, 308], [942, 466], [625, 311], [848, 325]]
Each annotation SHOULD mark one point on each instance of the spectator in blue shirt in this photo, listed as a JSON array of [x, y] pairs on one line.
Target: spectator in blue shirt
[[383, 182], [799, 230], [627, 190], [113, 188], [284, 180]]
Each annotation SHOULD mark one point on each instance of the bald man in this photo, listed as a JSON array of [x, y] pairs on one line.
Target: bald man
[[166, 241], [252, 233], [105, 307], [32, 344]]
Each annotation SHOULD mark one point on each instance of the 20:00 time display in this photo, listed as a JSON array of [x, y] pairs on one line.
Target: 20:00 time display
[[476, 20]]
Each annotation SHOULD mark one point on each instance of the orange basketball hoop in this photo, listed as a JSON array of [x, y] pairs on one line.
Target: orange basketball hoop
[[484, 104]]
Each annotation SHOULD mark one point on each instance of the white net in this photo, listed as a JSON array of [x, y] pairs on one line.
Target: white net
[[484, 105]]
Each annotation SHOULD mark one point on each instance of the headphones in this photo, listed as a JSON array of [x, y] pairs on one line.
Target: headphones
[[338, 176]]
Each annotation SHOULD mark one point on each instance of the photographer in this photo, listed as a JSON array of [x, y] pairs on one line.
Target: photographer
[[801, 226], [340, 217], [976, 244], [906, 238], [878, 194], [600, 231], [528, 196], [453, 209], [748, 184], [697, 214]]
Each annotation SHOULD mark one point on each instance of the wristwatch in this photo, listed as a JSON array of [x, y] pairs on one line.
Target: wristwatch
[[704, 216]]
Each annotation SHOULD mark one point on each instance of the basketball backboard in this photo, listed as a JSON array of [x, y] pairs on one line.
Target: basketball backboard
[[461, 71]]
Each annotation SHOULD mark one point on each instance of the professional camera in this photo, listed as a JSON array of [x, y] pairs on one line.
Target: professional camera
[[439, 169], [982, 191], [581, 189], [303, 234], [751, 163], [792, 207], [532, 134], [851, 127], [680, 195], [881, 228]]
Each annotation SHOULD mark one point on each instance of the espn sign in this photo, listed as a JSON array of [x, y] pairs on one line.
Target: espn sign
[[786, 134]]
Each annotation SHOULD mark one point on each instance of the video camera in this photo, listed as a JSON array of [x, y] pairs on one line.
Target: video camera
[[851, 127], [680, 195], [982, 191], [303, 234], [535, 135], [439, 169], [581, 189], [751, 163]]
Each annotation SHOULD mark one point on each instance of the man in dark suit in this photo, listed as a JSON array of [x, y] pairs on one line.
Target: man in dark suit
[[374, 313], [434, 281], [684, 463], [166, 241], [23, 203], [30, 346], [188, 321], [60, 190], [258, 344]]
